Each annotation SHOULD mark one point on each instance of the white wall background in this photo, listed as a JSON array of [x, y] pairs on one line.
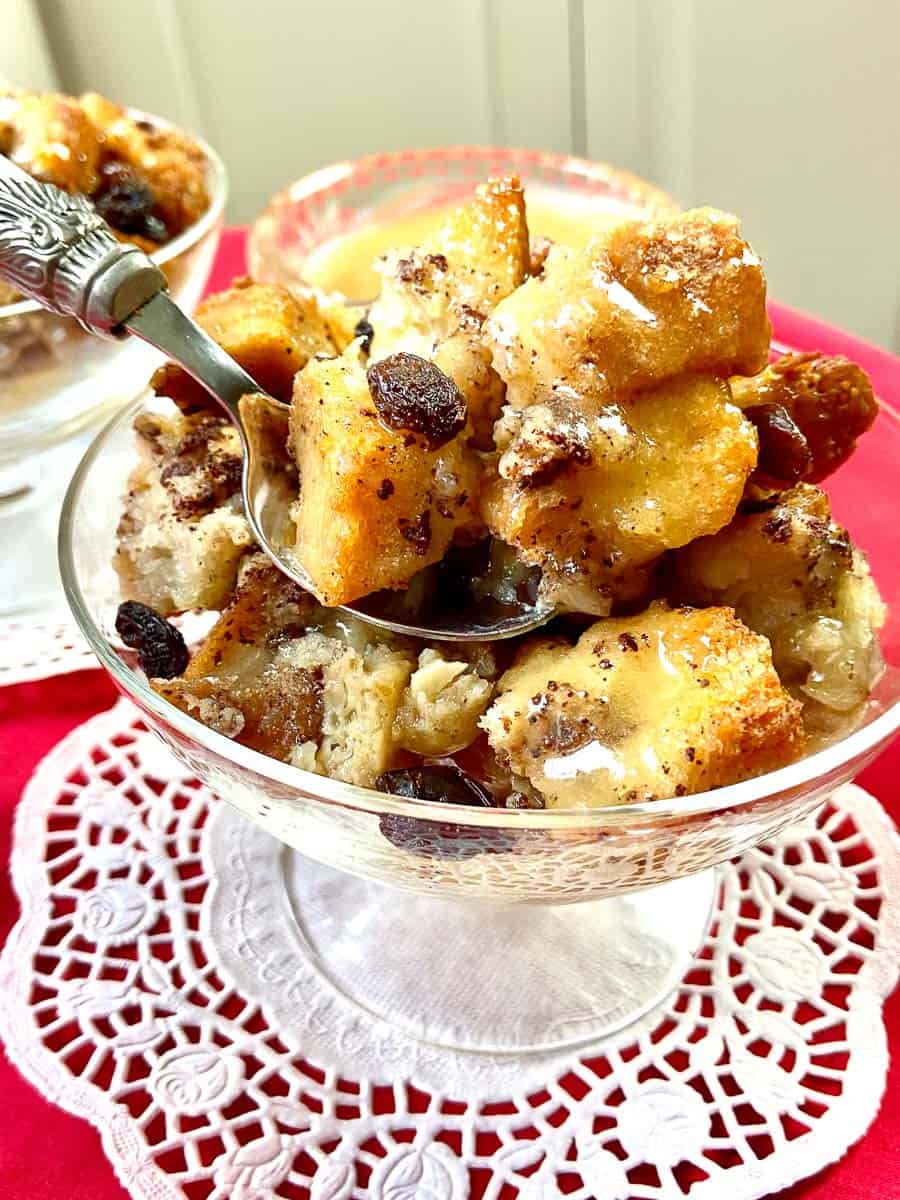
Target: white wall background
[[786, 111]]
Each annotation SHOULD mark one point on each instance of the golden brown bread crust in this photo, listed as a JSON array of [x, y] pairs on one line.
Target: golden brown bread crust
[[591, 492], [647, 301], [376, 504], [271, 331], [644, 708], [54, 139], [828, 399], [793, 575]]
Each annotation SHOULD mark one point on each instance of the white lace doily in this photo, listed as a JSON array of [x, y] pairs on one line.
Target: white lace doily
[[38, 647], [156, 985]]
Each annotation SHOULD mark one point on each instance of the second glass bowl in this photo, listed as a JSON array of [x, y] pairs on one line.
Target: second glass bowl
[[58, 382]]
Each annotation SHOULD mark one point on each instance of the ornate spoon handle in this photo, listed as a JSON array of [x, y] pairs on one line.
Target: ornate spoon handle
[[57, 249]]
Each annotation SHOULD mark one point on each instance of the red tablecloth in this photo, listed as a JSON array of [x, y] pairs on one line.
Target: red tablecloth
[[46, 1154]]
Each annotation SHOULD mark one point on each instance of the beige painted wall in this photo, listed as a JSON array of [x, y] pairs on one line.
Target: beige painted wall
[[787, 111]]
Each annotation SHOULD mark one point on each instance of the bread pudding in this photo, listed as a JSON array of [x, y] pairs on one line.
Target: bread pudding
[[146, 181], [601, 422]]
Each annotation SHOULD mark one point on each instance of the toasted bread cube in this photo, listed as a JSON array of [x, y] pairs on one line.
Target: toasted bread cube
[[376, 504], [172, 164], [434, 299], [54, 140], [644, 708], [646, 301], [271, 331], [182, 532], [282, 675], [588, 496], [809, 409], [458, 276], [793, 575]]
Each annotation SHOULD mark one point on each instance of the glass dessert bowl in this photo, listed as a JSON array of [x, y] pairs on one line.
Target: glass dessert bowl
[[604, 412], [57, 382], [623, 893]]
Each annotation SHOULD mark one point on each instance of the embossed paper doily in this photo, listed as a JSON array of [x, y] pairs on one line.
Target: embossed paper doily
[[48, 644], [156, 985]]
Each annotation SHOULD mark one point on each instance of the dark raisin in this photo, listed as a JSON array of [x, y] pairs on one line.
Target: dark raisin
[[124, 199], [627, 641], [784, 453], [440, 783], [443, 784], [411, 393], [365, 331], [385, 489], [160, 647]]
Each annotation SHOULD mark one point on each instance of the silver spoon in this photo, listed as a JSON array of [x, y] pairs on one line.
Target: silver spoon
[[57, 249]]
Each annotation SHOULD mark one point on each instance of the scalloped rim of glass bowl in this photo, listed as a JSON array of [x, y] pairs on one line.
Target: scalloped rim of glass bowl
[[629, 187], [217, 181], [332, 791]]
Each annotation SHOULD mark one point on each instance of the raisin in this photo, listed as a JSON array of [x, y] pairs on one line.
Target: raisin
[[126, 202], [831, 402], [411, 393], [437, 839], [784, 453], [444, 784], [160, 647], [365, 331]]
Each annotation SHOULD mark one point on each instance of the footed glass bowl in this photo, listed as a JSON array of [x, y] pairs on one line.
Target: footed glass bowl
[[607, 904]]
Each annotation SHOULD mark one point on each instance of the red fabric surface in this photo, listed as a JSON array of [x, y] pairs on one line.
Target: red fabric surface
[[46, 1154]]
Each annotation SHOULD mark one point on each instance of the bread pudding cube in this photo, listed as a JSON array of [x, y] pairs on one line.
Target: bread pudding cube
[[591, 492], [435, 299], [809, 411], [378, 501], [284, 676], [792, 574], [667, 703], [271, 331], [53, 139], [646, 301], [455, 279], [182, 532]]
